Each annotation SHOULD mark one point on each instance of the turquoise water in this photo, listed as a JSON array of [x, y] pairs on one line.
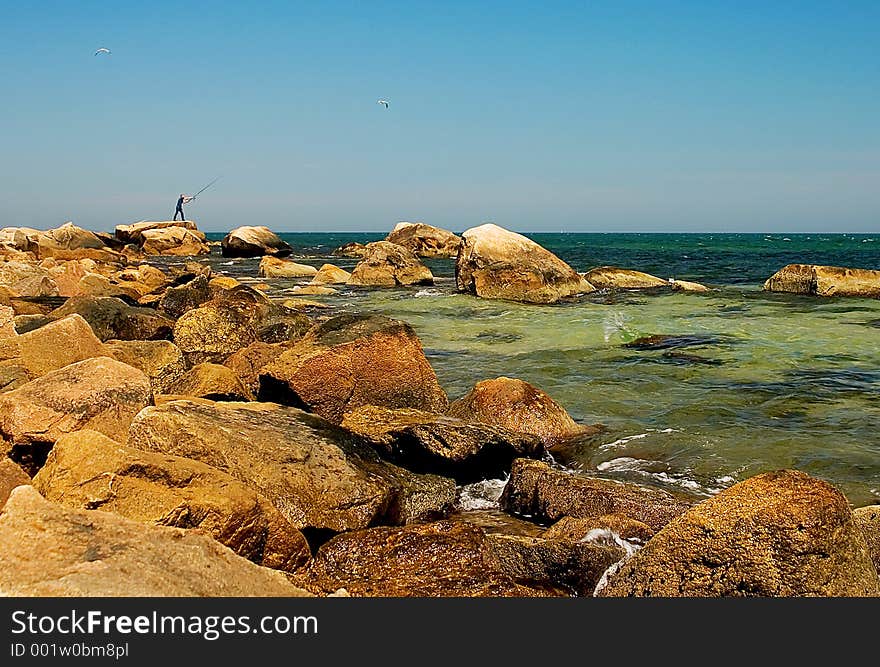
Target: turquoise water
[[760, 382]]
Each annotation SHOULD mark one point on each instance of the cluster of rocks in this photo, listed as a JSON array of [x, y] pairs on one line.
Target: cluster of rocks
[[164, 237]]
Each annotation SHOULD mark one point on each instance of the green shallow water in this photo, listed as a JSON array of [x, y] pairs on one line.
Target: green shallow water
[[770, 381]]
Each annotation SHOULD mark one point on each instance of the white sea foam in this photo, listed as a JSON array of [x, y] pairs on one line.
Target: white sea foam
[[643, 467], [637, 436], [609, 537], [428, 292], [482, 495]]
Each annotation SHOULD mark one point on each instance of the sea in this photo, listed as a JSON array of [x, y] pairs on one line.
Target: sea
[[748, 382]]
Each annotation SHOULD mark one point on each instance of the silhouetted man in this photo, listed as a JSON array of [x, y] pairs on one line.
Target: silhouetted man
[[184, 199]]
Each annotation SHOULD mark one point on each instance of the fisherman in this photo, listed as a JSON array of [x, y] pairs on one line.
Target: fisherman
[[184, 199]]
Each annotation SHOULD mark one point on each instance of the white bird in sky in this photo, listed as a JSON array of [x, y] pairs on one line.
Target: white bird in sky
[[102, 50], [385, 102]]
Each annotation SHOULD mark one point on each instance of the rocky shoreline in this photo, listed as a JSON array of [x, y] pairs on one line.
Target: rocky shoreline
[[167, 431]]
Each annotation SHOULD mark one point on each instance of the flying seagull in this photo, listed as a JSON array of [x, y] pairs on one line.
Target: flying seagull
[[102, 50], [385, 102]]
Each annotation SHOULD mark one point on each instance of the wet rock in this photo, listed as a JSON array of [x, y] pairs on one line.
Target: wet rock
[[160, 360], [314, 290], [389, 265], [868, 521], [355, 250], [427, 442], [612, 277], [354, 360], [779, 534], [424, 240], [218, 283], [498, 264], [665, 341], [253, 242], [329, 274], [687, 286], [113, 318], [213, 331], [814, 279], [175, 241], [52, 346], [182, 298], [133, 233], [304, 304], [537, 490], [572, 529], [11, 475], [249, 361], [101, 394], [211, 381], [95, 554], [518, 406], [684, 358], [574, 566], [496, 522], [272, 267], [440, 559], [319, 476], [87, 470]]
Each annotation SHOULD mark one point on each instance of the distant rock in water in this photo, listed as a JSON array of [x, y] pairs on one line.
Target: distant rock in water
[[330, 274], [355, 250], [668, 341], [387, 264], [253, 242], [424, 240], [611, 277], [272, 267], [779, 534], [818, 280], [495, 263]]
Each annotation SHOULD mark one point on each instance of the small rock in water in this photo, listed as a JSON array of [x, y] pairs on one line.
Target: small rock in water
[[685, 358], [666, 341]]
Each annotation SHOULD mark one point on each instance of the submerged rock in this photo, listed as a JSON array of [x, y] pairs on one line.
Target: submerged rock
[[112, 318], [87, 553], [354, 360], [821, 280], [518, 406], [687, 286], [389, 265], [497, 264], [537, 490], [319, 476], [424, 240], [441, 559], [612, 277], [87, 470], [428, 442], [779, 534], [272, 267], [672, 341], [249, 241]]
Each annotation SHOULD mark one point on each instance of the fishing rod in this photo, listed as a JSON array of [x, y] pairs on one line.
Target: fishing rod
[[205, 188]]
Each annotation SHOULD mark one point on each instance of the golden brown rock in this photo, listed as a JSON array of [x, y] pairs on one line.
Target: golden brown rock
[[778, 534], [160, 360], [249, 361], [868, 520], [612, 277], [112, 318], [11, 475], [211, 381], [251, 241], [272, 267], [387, 264], [175, 241], [133, 233], [572, 529], [212, 332], [87, 470], [825, 281], [88, 553], [52, 346], [329, 274], [424, 240]]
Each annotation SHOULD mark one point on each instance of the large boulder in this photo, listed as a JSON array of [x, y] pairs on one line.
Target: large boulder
[[7, 322], [429, 442], [518, 406], [389, 265], [11, 475], [67, 242], [545, 494], [253, 242], [249, 361], [611, 277], [88, 553], [51, 346], [424, 240], [272, 267], [498, 264], [354, 360], [87, 470], [133, 233], [440, 559], [175, 241], [160, 360], [142, 279], [213, 331], [26, 279], [868, 520], [318, 475], [330, 274], [211, 381], [101, 394], [113, 318], [778, 534], [181, 298], [814, 279]]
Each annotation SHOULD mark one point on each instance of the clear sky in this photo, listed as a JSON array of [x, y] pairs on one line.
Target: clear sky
[[539, 116]]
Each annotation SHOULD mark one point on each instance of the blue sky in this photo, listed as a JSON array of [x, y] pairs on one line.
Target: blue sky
[[623, 116]]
